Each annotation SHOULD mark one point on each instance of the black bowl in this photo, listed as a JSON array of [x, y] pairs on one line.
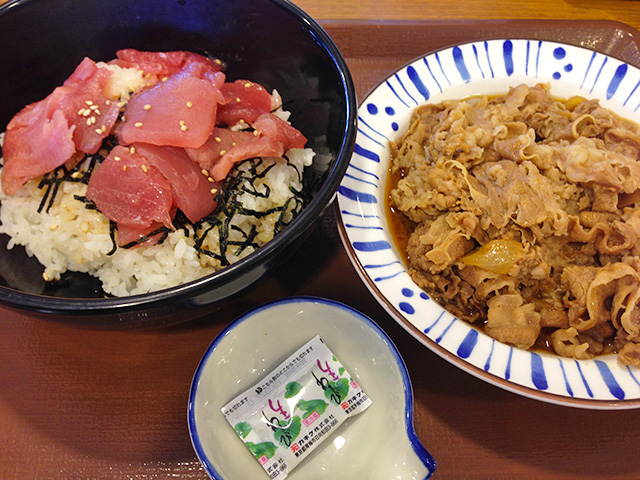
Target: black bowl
[[272, 42]]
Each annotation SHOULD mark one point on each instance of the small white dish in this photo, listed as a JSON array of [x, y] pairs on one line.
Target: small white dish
[[486, 68], [378, 444]]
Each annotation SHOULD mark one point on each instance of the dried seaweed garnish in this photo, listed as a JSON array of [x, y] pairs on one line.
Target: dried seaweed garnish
[[163, 231], [52, 181], [243, 182]]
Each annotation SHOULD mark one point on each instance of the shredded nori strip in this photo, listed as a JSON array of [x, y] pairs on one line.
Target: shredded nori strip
[[79, 174], [228, 206]]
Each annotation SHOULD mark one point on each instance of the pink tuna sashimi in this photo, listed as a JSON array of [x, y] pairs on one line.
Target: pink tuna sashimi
[[269, 125], [129, 191], [34, 144], [135, 236], [275, 138], [192, 191], [87, 108], [161, 63], [46, 134], [243, 101], [180, 112], [221, 141], [260, 147]]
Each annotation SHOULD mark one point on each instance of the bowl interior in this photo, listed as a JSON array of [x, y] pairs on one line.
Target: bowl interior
[[487, 68], [269, 41], [254, 344]]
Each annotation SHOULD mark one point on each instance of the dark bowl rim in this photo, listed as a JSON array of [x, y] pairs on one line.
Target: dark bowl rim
[[67, 306]]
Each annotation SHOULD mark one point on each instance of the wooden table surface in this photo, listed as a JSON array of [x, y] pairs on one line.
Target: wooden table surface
[[84, 404]]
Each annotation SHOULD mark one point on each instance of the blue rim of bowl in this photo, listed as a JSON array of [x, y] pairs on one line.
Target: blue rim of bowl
[[393, 311], [417, 446], [71, 306]]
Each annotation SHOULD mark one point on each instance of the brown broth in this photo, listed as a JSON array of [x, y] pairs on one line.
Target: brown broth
[[400, 226]]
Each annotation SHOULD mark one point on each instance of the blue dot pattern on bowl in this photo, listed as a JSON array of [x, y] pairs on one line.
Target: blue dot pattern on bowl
[[488, 67]]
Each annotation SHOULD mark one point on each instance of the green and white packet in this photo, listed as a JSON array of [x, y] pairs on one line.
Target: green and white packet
[[286, 415]]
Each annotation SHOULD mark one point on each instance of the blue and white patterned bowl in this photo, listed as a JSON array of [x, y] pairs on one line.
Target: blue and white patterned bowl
[[488, 67]]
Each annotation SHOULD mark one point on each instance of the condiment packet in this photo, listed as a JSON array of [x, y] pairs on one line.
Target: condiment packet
[[286, 415]]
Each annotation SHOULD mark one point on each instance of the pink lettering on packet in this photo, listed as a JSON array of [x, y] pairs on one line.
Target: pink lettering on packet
[[263, 459], [327, 370], [310, 419], [280, 410]]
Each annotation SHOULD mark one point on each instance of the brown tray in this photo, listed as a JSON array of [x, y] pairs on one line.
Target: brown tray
[[375, 49], [108, 405]]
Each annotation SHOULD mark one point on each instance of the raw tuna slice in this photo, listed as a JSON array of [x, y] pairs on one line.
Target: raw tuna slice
[[221, 141], [180, 112], [87, 108], [192, 191], [275, 137], [46, 134], [269, 125], [127, 190], [38, 139], [161, 63], [135, 236], [243, 101]]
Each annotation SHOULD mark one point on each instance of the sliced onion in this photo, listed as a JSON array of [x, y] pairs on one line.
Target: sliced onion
[[497, 256]]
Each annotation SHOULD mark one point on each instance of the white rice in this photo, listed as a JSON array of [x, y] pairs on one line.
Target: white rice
[[71, 237]]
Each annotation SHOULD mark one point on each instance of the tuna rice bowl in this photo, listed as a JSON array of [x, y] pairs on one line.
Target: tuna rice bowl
[[150, 170]]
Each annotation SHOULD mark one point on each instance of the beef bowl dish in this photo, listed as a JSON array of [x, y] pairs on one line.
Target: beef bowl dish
[[493, 209], [157, 159]]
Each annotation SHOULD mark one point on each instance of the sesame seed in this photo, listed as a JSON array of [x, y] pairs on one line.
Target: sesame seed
[[184, 128], [146, 107], [76, 175], [218, 61], [121, 104], [137, 124], [247, 85], [218, 139], [94, 107], [241, 121], [81, 111], [117, 159], [108, 102], [124, 168], [144, 168], [204, 172], [88, 121], [88, 102], [181, 122], [86, 112], [238, 100], [45, 277], [164, 79], [53, 228], [98, 131], [256, 132], [211, 180], [222, 152], [233, 144], [189, 104], [124, 118], [103, 128], [214, 191], [132, 150]]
